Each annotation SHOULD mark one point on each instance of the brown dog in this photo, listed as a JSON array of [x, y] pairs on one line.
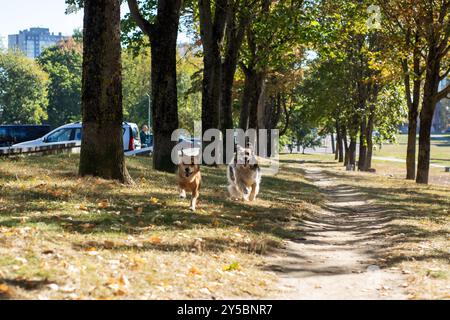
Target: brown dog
[[189, 179]]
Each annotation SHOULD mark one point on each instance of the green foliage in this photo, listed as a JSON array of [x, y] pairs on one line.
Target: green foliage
[[63, 63], [136, 85], [23, 90]]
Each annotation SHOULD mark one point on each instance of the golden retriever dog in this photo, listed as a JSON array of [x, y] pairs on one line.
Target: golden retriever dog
[[189, 179], [244, 175]]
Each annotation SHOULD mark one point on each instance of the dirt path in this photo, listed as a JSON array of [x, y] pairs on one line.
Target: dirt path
[[336, 258]]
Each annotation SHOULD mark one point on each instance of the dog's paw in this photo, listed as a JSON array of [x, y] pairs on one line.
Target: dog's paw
[[183, 194], [193, 209]]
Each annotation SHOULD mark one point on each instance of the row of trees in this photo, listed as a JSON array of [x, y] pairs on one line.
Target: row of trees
[[255, 73], [376, 74]]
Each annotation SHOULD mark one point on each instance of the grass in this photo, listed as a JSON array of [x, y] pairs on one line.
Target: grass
[[440, 149], [62, 237]]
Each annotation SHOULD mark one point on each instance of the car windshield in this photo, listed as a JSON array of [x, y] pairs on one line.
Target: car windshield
[[59, 136]]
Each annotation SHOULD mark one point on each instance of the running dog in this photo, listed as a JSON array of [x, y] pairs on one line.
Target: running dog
[[244, 175], [189, 178]]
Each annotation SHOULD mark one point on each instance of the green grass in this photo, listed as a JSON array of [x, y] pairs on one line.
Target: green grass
[[440, 149], [62, 237], [66, 237]]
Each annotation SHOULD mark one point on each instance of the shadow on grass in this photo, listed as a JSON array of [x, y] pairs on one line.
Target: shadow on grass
[[55, 206]]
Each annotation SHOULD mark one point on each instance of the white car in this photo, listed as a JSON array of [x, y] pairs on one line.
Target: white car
[[72, 133]]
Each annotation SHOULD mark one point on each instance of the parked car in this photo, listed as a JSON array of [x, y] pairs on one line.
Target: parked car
[[73, 132], [12, 134]]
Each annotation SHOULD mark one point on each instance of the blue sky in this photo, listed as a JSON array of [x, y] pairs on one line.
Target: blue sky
[[22, 14]]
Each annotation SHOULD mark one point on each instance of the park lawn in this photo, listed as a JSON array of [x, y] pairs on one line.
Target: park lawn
[[63, 237], [440, 149], [418, 229]]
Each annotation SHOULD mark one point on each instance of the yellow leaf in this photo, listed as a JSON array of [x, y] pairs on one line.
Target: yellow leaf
[[123, 281], [154, 200], [232, 267], [83, 207], [4, 289], [194, 271], [155, 240]]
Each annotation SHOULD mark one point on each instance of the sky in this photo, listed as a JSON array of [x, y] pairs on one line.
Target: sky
[[23, 14]]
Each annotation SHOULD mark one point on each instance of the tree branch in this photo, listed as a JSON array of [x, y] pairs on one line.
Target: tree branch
[[443, 93], [141, 22]]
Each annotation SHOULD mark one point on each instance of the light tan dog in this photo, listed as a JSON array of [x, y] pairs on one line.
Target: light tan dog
[[189, 179], [244, 175]]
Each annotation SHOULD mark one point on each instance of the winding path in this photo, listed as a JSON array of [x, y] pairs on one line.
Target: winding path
[[336, 257]]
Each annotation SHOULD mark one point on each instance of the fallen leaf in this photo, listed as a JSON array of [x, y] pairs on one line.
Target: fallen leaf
[[154, 200], [155, 240], [109, 244], [194, 271], [232, 267], [138, 210], [123, 281], [103, 204], [83, 207], [4, 289]]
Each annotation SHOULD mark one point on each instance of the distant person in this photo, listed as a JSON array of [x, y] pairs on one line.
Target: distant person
[[146, 137]]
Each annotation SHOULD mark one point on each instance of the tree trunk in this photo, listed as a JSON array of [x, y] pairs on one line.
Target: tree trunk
[[346, 147], [352, 151], [211, 31], [341, 149], [339, 144], [411, 148], [163, 35], [102, 153], [253, 87], [234, 39], [369, 139], [164, 83], [412, 99], [333, 146], [362, 145], [431, 88]]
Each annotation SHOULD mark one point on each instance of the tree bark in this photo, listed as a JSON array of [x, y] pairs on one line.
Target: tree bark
[[163, 35], [253, 87], [333, 146], [212, 27], [352, 151], [362, 144], [102, 152], [346, 147], [431, 88], [412, 100], [369, 138], [235, 32]]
